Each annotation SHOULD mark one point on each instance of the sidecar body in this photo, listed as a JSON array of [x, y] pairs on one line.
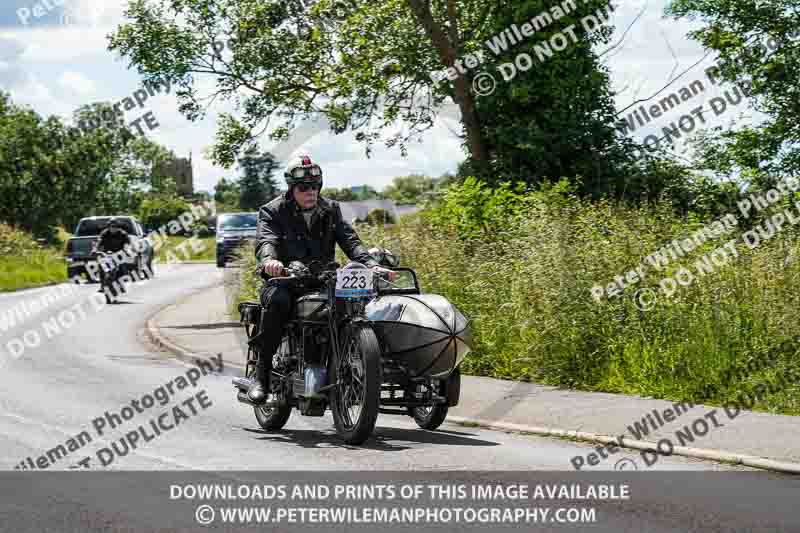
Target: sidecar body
[[424, 332]]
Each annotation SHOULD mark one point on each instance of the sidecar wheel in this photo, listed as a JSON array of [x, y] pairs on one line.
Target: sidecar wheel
[[358, 373], [429, 418]]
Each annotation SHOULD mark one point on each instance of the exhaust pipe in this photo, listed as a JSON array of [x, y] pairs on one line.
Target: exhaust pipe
[[242, 383], [242, 397]]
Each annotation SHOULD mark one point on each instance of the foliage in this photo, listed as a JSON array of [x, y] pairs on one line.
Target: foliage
[[227, 192], [366, 66], [340, 195], [15, 242], [378, 217], [257, 184], [347, 194], [24, 263], [476, 210], [409, 189], [556, 119], [157, 211], [533, 316], [740, 32], [180, 249], [53, 174]]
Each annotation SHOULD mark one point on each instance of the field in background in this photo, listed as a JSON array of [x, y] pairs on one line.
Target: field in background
[[25, 264]]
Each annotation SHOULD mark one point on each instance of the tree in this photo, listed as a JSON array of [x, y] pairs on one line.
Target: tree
[[366, 65], [157, 211], [226, 193], [366, 192], [409, 189], [340, 195], [50, 173], [256, 186], [757, 50]]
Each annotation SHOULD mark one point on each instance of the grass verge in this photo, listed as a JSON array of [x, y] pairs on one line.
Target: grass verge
[[177, 249]]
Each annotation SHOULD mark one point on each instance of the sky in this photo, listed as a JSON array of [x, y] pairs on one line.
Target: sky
[[54, 58]]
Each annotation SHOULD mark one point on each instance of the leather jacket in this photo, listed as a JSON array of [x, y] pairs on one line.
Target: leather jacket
[[282, 233], [113, 241]]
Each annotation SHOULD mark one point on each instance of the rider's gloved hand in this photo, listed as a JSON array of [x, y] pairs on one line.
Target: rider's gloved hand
[[273, 267], [391, 275]]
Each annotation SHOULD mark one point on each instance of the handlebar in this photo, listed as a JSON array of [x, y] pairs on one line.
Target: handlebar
[[306, 277]]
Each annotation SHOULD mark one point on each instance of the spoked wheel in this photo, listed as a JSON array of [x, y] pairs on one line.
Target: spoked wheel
[[109, 290], [272, 418], [357, 370], [430, 417]]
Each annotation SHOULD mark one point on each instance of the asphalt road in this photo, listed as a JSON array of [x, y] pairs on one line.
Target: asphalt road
[[55, 391]]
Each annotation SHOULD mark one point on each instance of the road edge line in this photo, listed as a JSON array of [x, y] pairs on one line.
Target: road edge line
[[719, 456]]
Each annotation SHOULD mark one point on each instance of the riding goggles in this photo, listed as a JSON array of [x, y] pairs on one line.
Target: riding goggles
[[313, 172]]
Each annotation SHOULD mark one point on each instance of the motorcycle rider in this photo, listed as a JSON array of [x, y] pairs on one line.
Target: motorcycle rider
[[297, 226], [113, 239]]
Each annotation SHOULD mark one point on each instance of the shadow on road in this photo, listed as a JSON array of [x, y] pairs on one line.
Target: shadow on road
[[384, 438], [218, 325]]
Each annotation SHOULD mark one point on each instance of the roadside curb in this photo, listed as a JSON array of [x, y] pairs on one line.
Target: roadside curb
[[719, 456], [153, 333]]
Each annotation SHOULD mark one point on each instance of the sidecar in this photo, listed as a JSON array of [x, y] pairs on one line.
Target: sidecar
[[424, 332], [424, 338]]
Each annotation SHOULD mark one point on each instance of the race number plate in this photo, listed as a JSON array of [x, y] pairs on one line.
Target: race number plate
[[354, 283]]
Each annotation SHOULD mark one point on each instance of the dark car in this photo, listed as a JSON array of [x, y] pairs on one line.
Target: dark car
[[79, 247], [233, 230]]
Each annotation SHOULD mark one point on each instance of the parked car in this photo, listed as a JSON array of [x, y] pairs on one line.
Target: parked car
[[80, 247], [233, 230]]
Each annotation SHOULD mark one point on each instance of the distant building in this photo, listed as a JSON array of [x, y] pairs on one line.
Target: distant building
[[180, 169]]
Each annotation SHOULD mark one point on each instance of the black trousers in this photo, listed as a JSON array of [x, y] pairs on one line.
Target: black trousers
[[277, 304]]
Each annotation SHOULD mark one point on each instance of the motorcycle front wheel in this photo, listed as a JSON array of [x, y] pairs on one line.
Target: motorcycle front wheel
[[357, 372]]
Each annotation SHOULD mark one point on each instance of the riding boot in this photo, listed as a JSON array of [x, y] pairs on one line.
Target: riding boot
[[259, 390]]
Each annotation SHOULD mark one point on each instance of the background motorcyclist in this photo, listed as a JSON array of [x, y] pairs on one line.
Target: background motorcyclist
[[297, 226], [113, 239]]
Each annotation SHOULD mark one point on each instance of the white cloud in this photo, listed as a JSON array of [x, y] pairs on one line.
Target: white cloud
[[78, 83]]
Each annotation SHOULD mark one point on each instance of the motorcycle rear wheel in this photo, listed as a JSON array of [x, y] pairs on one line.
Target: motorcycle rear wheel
[[357, 370]]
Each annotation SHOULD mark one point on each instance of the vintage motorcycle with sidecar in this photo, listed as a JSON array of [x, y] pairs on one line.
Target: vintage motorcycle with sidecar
[[359, 344]]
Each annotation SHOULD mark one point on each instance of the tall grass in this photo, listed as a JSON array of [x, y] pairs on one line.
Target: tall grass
[[524, 276], [527, 288]]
